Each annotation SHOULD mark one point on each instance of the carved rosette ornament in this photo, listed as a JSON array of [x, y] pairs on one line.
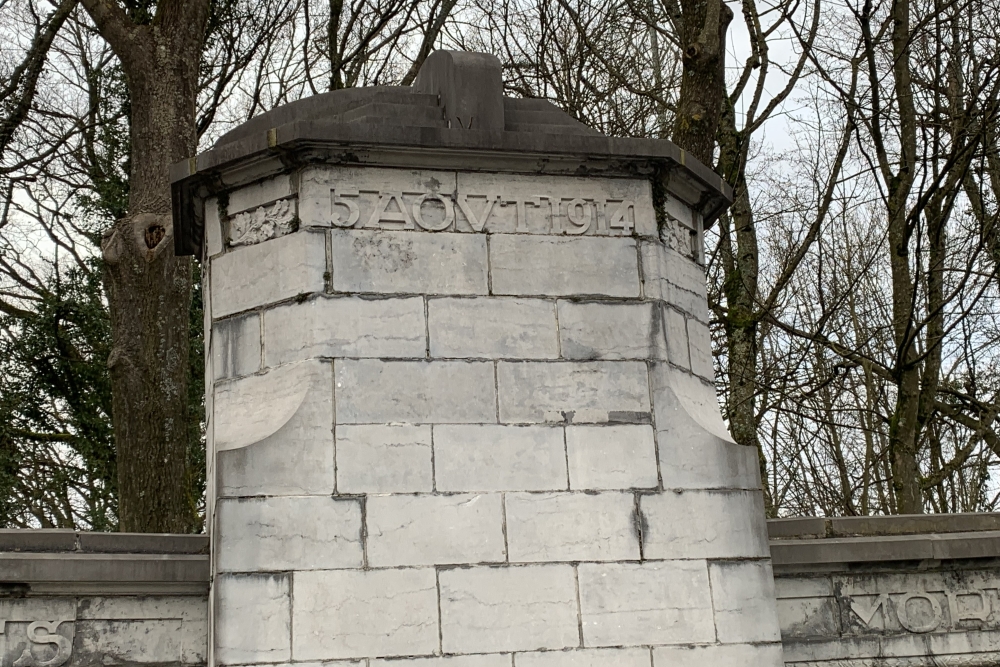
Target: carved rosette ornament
[[252, 227]]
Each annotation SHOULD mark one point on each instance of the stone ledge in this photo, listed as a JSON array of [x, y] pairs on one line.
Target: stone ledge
[[881, 549], [67, 562], [871, 526], [49, 540], [64, 558], [116, 568]]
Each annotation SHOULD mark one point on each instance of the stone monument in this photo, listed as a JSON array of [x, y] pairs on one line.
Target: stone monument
[[460, 398]]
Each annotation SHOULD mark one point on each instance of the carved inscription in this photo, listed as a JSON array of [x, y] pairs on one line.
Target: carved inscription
[[352, 207], [43, 644], [922, 611]]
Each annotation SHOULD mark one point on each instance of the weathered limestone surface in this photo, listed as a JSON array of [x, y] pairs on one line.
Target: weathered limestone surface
[[852, 592], [461, 407], [860, 592], [611, 457], [85, 599], [501, 609], [508, 446]]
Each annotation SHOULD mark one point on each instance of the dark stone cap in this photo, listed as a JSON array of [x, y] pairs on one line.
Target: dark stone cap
[[454, 113]]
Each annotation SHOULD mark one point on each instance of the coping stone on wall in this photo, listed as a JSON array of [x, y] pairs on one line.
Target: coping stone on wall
[[70, 562], [55, 560], [803, 543]]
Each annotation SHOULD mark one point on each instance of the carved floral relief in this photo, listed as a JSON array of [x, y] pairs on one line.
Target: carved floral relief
[[252, 227]]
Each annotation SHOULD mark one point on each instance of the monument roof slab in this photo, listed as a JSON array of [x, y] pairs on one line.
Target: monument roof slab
[[456, 116]]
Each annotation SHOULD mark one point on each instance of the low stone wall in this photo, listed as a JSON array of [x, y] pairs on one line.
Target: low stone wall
[[889, 591], [852, 592], [89, 599]]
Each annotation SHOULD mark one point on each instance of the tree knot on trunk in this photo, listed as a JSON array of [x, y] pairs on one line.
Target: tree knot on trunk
[[154, 234], [145, 234]]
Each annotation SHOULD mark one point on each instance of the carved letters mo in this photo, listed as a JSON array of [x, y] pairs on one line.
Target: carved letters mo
[[923, 612], [436, 212], [46, 648]]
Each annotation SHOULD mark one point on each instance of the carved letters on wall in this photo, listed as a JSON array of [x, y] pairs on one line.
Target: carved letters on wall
[[435, 212], [923, 611], [45, 645]]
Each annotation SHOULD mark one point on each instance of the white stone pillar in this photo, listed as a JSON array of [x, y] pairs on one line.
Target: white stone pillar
[[465, 419]]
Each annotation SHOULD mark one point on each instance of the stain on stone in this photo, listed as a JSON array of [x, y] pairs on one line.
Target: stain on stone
[[384, 253], [14, 590], [640, 527], [577, 352], [629, 417]]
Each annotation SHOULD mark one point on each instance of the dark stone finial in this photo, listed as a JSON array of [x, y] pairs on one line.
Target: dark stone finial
[[469, 87]]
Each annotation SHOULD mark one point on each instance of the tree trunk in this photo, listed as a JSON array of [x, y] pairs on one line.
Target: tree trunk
[[703, 81], [904, 427], [149, 289], [741, 267]]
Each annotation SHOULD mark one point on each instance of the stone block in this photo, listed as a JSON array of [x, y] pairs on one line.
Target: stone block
[[946, 647], [147, 641], [296, 533], [274, 432], [328, 196], [194, 641], [705, 462], [353, 614], [264, 192], [492, 328], [675, 326], [587, 657], [743, 597], [371, 391], [38, 540], [118, 607], [682, 272], [611, 457], [268, 272], [264, 635], [539, 204], [489, 660], [377, 458], [696, 451], [573, 392], [498, 609], [345, 327], [385, 262], [213, 228], [15, 610], [700, 346], [806, 586], [672, 278], [733, 655], [611, 331], [836, 650], [811, 617], [236, 346], [730, 525], [490, 457], [571, 527], [678, 210], [434, 530], [626, 604], [522, 265]]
